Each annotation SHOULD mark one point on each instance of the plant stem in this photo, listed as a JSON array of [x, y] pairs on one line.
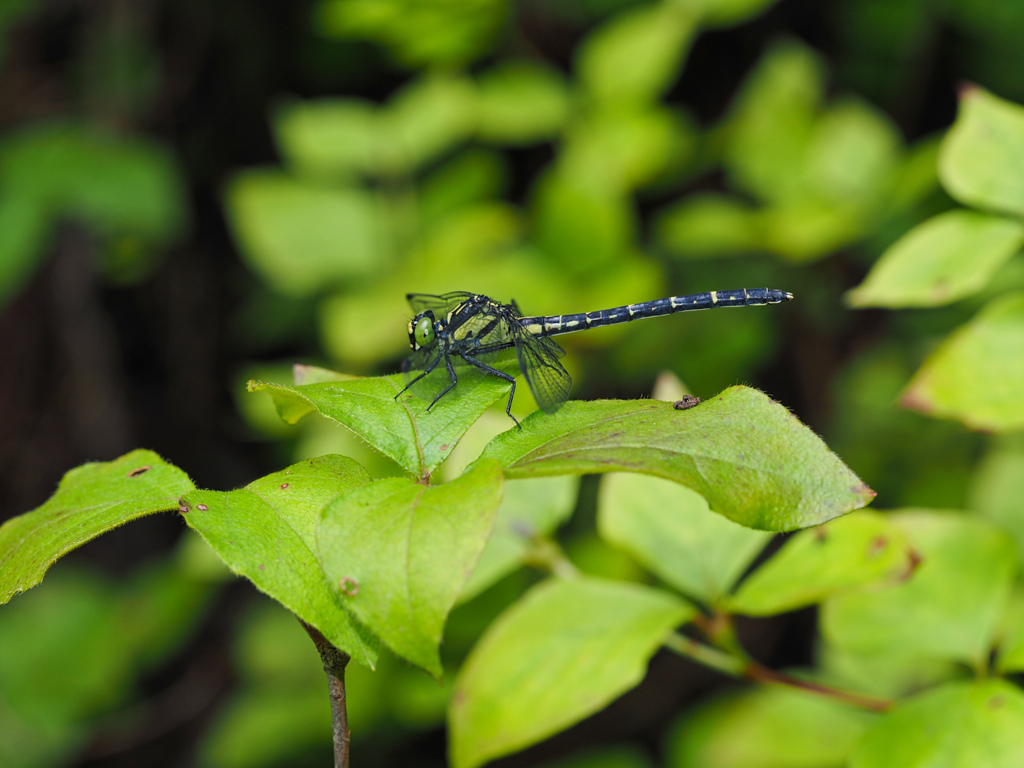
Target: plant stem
[[334, 665], [734, 666]]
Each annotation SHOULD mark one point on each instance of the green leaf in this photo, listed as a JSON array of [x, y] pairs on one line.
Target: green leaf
[[670, 529], [637, 56], [957, 725], [1010, 657], [419, 33], [90, 500], [115, 184], [976, 376], [329, 137], [710, 225], [521, 102], [948, 609], [773, 120], [853, 155], [530, 508], [997, 487], [572, 217], [768, 727], [561, 653], [427, 118], [747, 455], [402, 429], [940, 261], [982, 158], [304, 237], [618, 150], [854, 551], [267, 533], [398, 553]]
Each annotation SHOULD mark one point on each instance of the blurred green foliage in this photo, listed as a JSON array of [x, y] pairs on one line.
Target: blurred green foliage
[[573, 176]]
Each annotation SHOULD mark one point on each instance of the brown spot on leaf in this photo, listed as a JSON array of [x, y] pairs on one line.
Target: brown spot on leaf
[[878, 545], [349, 586], [444, 447], [820, 534], [913, 561], [283, 486], [262, 567], [202, 507], [183, 508], [139, 471], [996, 701]]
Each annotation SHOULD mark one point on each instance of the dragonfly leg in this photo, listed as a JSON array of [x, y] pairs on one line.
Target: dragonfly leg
[[501, 375], [452, 376], [428, 369]]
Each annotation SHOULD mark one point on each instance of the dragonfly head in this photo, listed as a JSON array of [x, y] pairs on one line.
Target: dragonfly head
[[421, 330]]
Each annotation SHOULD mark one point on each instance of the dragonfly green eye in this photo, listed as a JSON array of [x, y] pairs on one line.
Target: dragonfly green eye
[[423, 332]]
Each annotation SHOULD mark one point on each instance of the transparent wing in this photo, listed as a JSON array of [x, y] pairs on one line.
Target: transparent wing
[[439, 305], [538, 360]]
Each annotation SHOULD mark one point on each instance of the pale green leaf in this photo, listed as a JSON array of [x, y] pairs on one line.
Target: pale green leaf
[[976, 376], [982, 158], [747, 455], [710, 225], [267, 533], [618, 150], [773, 120], [561, 653], [530, 508], [769, 727], [303, 237], [329, 137], [945, 259], [855, 551], [428, 118], [671, 531], [402, 429], [397, 554], [996, 491], [521, 102], [637, 56], [90, 500], [948, 609], [571, 217], [957, 725]]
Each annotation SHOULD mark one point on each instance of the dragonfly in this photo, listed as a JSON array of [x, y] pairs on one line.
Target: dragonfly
[[475, 328]]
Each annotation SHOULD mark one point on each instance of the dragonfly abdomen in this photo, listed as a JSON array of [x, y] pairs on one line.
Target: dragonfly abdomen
[[741, 297]]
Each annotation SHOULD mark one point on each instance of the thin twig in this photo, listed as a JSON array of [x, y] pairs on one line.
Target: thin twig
[[334, 665], [751, 670]]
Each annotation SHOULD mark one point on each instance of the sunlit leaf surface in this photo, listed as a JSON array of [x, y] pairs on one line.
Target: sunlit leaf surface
[[982, 160], [91, 499], [946, 258], [747, 455], [957, 725], [561, 653], [267, 533], [397, 554], [977, 374]]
